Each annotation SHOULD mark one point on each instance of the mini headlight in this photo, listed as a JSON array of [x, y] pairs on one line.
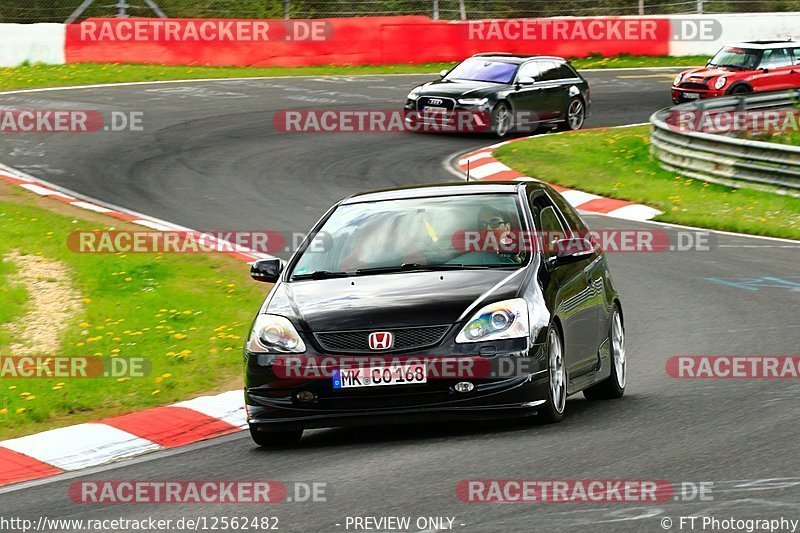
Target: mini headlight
[[720, 83], [472, 101], [677, 79], [274, 334], [502, 320]]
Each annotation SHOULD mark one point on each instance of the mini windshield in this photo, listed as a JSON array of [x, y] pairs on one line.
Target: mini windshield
[[410, 235], [732, 57], [476, 69]]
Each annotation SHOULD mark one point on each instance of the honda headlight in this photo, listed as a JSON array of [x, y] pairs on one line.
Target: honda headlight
[[274, 334], [720, 83], [472, 101], [502, 320], [677, 79]]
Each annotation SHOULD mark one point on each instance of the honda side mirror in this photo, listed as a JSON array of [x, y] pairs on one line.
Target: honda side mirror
[[572, 250], [266, 270]]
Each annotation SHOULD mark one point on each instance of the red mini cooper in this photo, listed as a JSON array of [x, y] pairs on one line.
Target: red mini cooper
[[742, 68]]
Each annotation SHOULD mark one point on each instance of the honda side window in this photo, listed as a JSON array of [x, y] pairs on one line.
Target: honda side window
[[548, 222], [574, 220]]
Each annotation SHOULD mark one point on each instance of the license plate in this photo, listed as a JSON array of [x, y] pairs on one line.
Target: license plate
[[691, 96], [433, 109], [379, 376]]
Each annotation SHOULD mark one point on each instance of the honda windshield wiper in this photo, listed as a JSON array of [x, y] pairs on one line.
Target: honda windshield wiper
[[408, 267], [321, 274]]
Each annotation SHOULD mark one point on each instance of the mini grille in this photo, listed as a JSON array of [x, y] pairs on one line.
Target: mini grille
[[404, 339], [691, 85]]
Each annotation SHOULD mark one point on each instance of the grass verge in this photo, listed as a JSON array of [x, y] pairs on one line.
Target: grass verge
[[33, 76], [789, 137], [616, 163], [186, 313]]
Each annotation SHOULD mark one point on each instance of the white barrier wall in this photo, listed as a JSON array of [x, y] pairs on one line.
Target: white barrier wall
[[36, 43], [738, 27]]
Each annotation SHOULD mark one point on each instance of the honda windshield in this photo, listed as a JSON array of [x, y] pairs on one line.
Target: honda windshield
[[415, 234]]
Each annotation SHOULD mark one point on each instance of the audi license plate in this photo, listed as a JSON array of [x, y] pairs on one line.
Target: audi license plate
[[691, 96], [434, 109], [378, 376]]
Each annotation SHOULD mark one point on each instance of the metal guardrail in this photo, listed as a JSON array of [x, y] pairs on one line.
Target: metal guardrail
[[722, 158]]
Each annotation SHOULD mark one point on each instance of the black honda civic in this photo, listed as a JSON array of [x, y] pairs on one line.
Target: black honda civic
[[461, 301], [502, 93]]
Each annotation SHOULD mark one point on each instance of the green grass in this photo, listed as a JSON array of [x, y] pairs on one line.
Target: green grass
[[188, 314], [13, 298], [38, 75], [617, 163], [790, 137]]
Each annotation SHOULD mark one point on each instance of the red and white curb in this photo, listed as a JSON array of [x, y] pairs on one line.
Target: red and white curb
[[86, 445], [42, 188], [483, 166], [92, 444]]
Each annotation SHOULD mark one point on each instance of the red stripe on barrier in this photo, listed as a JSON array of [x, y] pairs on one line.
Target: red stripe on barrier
[[363, 41], [171, 426], [603, 205], [16, 467]]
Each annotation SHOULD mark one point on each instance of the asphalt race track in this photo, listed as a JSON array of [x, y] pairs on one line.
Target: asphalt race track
[[210, 158]]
